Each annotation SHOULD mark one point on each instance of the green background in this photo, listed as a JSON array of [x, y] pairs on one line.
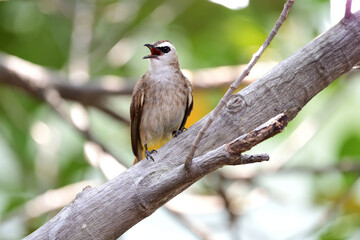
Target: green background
[[326, 132]]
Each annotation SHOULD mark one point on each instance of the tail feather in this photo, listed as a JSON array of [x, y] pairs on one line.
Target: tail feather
[[136, 160], [139, 155]]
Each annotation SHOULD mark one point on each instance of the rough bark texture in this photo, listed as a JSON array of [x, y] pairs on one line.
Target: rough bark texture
[[109, 210]]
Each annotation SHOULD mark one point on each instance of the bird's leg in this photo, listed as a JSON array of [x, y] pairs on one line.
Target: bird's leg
[[178, 132], [148, 153]]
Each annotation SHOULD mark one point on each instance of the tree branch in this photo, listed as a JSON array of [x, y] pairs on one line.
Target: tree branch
[[348, 13], [34, 79], [169, 184], [109, 210], [53, 99], [224, 100]]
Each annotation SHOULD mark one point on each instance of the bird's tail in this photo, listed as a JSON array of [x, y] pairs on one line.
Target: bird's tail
[[139, 155], [136, 160]]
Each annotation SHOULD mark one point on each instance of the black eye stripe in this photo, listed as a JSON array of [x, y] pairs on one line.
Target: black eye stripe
[[164, 49]]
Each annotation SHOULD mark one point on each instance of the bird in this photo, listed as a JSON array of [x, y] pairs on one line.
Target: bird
[[161, 102]]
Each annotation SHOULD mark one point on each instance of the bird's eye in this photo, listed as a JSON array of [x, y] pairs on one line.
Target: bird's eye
[[165, 49]]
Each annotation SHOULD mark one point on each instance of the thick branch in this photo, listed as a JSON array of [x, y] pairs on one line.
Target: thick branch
[[109, 210], [171, 183]]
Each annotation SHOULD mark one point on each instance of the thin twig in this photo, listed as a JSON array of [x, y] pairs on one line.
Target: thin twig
[[344, 166], [81, 38], [348, 13], [197, 229], [111, 113], [53, 98], [237, 82], [220, 190]]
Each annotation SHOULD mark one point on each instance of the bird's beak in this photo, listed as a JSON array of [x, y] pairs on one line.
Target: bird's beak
[[155, 52]]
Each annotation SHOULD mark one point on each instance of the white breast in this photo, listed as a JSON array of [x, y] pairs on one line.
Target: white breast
[[164, 107]]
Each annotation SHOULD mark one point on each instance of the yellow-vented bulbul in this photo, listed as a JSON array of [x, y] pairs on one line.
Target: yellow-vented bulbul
[[161, 101]]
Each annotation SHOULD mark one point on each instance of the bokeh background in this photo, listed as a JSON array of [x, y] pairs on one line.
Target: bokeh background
[[310, 189]]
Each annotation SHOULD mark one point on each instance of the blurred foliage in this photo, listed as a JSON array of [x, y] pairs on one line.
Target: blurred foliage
[[39, 151]]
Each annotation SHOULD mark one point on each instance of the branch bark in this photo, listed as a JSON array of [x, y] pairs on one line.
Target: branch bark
[[73, 220], [225, 99], [109, 210]]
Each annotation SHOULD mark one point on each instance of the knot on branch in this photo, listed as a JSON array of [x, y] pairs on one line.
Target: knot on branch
[[236, 104]]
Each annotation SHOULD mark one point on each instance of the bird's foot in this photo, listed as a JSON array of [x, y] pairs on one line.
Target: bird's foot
[[178, 132], [148, 153]]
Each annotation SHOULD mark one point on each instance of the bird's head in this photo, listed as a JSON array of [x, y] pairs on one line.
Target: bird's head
[[162, 53]]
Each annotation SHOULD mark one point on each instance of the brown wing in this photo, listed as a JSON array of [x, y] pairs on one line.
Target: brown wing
[[136, 109], [189, 105]]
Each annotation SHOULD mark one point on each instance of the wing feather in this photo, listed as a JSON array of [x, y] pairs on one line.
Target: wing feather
[[136, 109], [189, 105]]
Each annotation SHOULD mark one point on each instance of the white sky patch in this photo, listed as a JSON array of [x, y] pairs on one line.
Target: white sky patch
[[337, 9], [232, 4]]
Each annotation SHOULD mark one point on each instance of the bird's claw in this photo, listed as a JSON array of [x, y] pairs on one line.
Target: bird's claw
[[178, 132], [148, 153]]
